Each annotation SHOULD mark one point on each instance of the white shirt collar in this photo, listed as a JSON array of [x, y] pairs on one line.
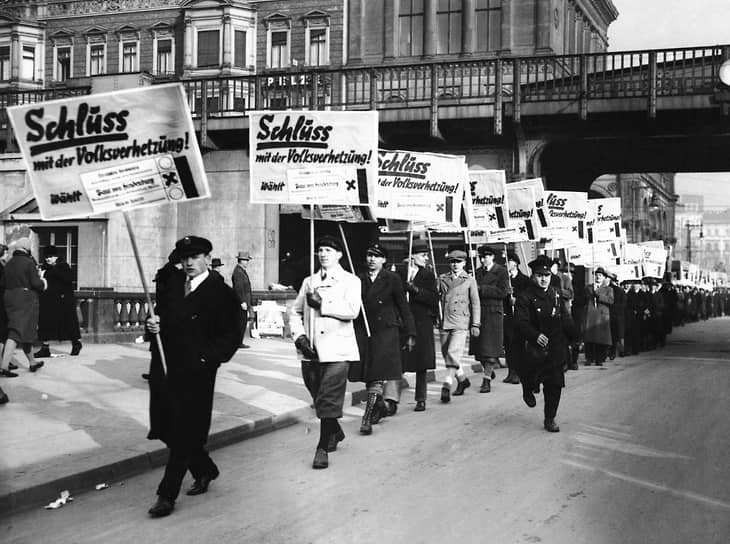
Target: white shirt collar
[[197, 280]]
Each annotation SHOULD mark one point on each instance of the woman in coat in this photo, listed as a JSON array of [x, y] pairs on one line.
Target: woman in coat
[[388, 314], [597, 332], [58, 319], [22, 284]]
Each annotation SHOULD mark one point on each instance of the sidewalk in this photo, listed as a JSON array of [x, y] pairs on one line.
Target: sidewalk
[[80, 421]]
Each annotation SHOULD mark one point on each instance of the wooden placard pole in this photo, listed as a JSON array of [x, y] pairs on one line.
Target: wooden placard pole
[[408, 262], [133, 240], [435, 272], [311, 268], [352, 269]]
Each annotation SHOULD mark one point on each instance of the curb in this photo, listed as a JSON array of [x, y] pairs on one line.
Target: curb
[[39, 495]]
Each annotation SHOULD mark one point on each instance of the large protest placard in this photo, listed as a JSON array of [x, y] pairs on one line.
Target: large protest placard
[[421, 187], [522, 215], [317, 157], [110, 151], [655, 260], [568, 211], [607, 225], [542, 218], [489, 210]]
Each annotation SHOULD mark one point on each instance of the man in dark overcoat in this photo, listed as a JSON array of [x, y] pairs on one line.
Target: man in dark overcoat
[[632, 318], [493, 287], [513, 349], [617, 318], [422, 295], [57, 319], [242, 286], [544, 324], [200, 324], [389, 318]]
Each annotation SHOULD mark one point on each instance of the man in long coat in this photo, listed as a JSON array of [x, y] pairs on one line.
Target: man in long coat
[[493, 287], [242, 287], [58, 319], [632, 318], [389, 318], [597, 332], [513, 348], [617, 318], [422, 296], [544, 324], [200, 326]]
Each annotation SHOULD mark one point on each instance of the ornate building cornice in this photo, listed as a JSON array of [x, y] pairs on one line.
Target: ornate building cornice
[[68, 8]]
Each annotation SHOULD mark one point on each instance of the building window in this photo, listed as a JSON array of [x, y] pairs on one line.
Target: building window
[[448, 16], [28, 65], [4, 63], [63, 63], [489, 25], [164, 60], [239, 48], [97, 56], [279, 49], [208, 48], [129, 57], [410, 28], [318, 47]]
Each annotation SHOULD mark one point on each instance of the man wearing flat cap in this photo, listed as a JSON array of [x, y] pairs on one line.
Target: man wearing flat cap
[[461, 316], [544, 325], [242, 287], [493, 287], [391, 329], [199, 322], [321, 322]]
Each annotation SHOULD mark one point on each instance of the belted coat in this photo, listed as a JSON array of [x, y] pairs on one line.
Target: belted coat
[[389, 318], [460, 301]]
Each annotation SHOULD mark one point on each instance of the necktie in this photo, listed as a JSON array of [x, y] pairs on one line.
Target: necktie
[[187, 287]]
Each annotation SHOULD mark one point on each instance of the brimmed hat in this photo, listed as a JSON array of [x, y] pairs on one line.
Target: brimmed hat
[[50, 251], [21, 243], [215, 262], [329, 241], [193, 245], [512, 256], [419, 247], [600, 270], [611, 275], [243, 256], [541, 265], [486, 250], [456, 254], [377, 249]]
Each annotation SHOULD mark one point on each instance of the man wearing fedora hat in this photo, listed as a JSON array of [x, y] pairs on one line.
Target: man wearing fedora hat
[[199, 323], [242, 288], [462, 315]]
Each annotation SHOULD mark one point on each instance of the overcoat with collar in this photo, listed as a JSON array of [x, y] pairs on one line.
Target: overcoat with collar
[[242, 286], [199, 332], [598, 318], [333, 336], [460, 301], [389, 318], [493, 288], [539, 311], [423, 302]]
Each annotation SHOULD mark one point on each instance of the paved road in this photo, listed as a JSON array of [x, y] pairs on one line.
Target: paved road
[[642, 458]]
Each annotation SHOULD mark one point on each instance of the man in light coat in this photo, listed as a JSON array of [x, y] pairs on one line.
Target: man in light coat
[[328, 301], [460, 302]]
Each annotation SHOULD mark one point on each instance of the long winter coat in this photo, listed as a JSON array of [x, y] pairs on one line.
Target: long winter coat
[[389, 318], [493, 288], [199, 332], [539, 311], [334, 335], [58, 319], [617, 312], [598, 317], [422, 300], [22, 284]]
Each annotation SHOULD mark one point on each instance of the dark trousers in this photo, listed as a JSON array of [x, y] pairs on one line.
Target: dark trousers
[[421, 385], [245, 324], [595, 353], [551, 394], [183, 458]]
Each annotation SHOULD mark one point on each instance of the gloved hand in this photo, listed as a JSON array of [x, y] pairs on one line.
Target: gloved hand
[[410, 343], [411, 288], [314, 300], [475, 331], [303, 344]]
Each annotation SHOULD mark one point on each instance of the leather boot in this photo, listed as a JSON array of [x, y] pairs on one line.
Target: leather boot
[[511, 378], [461, 386], [43, 352], [486, 385], [379, 411], [366, 425], [550, 425], [75, 347]]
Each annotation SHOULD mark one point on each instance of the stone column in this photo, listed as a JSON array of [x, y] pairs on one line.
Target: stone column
[[355, 32], [430, 28], [390, 20], [188, 54], [506, 47], [15, 57], [542, 26], [468, 27], [227, 42]]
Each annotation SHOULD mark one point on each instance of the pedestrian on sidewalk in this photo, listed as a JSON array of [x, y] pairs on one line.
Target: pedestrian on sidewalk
[[329, 301], [58, 319], [493, 284], [391, 329], [462, 315], [21, 283], [545, 326], [513, 348], [200, 326], [422, 295], [242, 287]]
